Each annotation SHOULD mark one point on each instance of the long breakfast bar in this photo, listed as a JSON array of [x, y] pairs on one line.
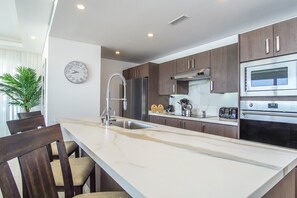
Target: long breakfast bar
[[164, 161]]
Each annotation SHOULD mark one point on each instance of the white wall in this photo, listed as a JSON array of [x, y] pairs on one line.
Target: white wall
[[65, 99], [108, 67], [202, 100]]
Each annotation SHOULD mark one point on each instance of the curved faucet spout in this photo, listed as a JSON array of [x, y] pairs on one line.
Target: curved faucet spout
[[124, 99]]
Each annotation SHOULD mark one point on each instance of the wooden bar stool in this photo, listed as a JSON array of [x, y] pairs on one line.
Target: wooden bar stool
[[35, 165], [71, 146], [81, 168]]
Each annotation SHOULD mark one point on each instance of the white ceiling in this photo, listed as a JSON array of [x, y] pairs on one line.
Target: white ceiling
[[123, 24], [21, 19]]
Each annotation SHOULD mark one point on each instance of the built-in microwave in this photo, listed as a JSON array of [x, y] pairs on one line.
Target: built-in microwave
[[269, 77]]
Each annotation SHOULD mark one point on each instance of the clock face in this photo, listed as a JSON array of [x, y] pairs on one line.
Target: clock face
[[76, 72]]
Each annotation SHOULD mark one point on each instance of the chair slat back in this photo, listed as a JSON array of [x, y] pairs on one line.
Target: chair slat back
[[16, 126], [29, 114], [26, 124], [30, 149], [7, 182]]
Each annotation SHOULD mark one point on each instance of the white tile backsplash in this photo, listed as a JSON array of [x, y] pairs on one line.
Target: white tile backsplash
[[202, 100]]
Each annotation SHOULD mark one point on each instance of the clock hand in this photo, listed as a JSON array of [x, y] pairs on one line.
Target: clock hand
[[74, 72]]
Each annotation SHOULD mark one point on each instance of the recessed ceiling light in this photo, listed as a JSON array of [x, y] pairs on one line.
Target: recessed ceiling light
[[33, 37], [117, 52], [150, 34], [80, 6]]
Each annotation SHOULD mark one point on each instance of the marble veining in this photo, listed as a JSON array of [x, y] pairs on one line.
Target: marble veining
[[171, 162]]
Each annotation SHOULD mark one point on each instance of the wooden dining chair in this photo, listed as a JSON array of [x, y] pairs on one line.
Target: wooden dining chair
[[30, 149], [82, 168], [71, 146]]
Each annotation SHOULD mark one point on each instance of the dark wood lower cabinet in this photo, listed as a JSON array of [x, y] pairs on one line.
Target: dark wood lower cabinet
[[157, 120], [192, 125], [205, 127], [285, 188], [220, 129], [171, 122]]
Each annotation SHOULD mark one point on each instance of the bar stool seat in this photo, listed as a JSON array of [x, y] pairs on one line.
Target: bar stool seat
[[118, 194], [70, 146], [81, 168]]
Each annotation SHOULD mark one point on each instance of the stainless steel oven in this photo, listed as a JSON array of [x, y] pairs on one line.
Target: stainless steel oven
[[271, 122], [269, 77]]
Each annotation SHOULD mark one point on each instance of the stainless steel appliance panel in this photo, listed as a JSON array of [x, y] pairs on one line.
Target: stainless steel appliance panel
[[273, 111], [269, 77], [271, 122], [137, 99]]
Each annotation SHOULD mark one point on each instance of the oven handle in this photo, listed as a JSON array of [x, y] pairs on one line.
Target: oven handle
[[269, 113]]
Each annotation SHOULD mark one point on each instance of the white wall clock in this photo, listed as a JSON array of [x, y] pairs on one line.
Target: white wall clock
[[76, 72]]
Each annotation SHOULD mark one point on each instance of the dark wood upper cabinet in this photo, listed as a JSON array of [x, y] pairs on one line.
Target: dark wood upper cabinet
[[256, 44], [140, 71], [151, 71], [167, 85], [274, 40], [285, 35], [224, 69], [193, 62], [201, 60]]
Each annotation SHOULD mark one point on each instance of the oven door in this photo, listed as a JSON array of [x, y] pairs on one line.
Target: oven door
[[275, 133], [277, 76]]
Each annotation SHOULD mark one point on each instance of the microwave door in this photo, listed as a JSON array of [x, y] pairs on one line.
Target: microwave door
[[279, 76]]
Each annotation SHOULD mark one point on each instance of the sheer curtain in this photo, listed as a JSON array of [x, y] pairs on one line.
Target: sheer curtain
[[9, 61]]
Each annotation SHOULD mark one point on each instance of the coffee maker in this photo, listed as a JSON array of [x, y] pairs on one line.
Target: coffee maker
[[186, 107]]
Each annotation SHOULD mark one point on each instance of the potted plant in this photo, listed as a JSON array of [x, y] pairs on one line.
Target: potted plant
[[24, 88]]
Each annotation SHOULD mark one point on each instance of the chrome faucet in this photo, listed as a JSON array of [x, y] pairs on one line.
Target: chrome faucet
[[108, 99]]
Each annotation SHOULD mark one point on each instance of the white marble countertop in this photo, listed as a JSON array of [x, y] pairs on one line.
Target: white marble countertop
[[211, 119], [171, 162]]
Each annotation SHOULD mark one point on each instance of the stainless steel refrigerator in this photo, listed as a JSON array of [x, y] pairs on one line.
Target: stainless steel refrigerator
[[137, 99]]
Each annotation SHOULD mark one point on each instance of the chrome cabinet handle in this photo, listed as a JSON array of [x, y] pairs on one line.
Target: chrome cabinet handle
[[267, 46], [211, 85], [173, 88], [269, 113], [193, 63], [188, 64], [277, 43]]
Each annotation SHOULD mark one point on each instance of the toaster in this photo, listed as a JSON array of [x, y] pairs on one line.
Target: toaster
[[228, 112]]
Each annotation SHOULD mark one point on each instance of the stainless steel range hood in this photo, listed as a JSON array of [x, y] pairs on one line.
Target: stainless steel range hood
[[200, 74]]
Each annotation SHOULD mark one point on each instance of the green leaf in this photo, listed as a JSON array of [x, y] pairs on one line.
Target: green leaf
[[24, 88]]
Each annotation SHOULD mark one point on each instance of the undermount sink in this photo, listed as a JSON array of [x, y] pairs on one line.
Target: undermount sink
[[130, 124]]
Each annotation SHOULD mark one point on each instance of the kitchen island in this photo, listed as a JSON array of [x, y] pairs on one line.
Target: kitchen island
[[165, 161]]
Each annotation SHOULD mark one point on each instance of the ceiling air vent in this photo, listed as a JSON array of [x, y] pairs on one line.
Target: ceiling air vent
[[178, 19]]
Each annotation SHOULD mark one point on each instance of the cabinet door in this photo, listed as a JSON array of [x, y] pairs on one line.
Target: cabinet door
[[172, 122], [201, 60], [157, 119], [221, 130], [142, 71], [285, 35], [256, 44], [192, 125], [224, 69], [126, 74], [183, 64], [167, 86]]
